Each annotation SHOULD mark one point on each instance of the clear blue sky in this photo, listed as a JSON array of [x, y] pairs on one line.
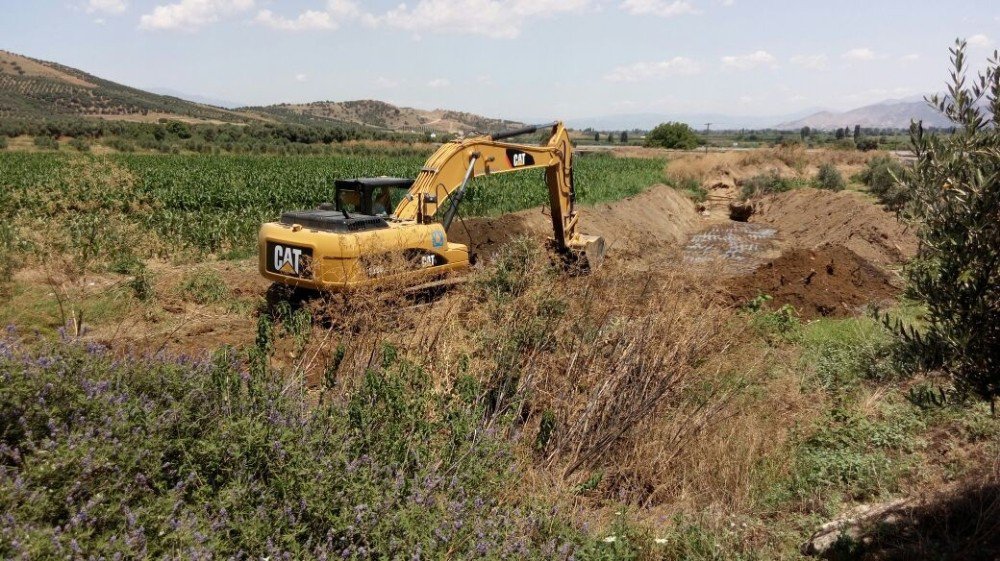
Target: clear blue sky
[[515, 58]]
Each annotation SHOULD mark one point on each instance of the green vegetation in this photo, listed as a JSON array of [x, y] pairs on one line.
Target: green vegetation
[[867, 144], [598, 178], [99, 207], [690, 187], [46, 143], [153, 458], [672, 135], [955, 199], [881, 177], [882, 139], [858, 448], [79, 144], [204, 286], [829, 177], [167, 136], [766, 183]]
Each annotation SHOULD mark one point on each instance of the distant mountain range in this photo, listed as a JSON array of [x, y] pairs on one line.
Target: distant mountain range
[[891, 114], [719, 121]]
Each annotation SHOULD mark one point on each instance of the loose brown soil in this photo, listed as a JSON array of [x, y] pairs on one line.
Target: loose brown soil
[[809, 218], [631, 227], [830, 280]]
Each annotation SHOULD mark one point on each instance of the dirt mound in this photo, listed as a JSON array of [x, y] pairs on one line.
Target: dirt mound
[[830, 280], [659, 215], [812, 217]]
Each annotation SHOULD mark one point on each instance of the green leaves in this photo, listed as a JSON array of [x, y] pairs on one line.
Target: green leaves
[[672, 135], [954, 196]]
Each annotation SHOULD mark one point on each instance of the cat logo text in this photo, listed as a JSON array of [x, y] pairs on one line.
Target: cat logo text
[[289, 260]]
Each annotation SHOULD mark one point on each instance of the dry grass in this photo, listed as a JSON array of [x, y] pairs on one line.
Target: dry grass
[[626, 390], [652, 394], [790, 161], [629, 387]]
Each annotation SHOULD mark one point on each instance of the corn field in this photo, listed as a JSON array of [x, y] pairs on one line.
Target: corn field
[[158, 205]]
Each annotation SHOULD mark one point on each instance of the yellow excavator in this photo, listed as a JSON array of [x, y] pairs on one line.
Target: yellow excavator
[[354, 242]]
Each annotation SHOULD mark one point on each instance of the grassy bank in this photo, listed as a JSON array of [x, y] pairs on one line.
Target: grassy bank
[[612, 416]]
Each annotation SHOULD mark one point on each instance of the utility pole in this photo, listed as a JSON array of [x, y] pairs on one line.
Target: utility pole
[[708, 129]]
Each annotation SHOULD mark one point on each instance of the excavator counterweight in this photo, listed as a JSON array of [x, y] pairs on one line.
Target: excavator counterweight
[[338, 248]]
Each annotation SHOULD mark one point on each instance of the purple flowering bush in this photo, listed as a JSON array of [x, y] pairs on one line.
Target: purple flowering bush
[[105, 458]]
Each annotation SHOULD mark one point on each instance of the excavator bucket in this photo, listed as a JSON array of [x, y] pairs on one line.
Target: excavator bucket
[[590, 251], [593, 251]]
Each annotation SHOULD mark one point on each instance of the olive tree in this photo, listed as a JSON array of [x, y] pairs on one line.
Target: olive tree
[[954, 198], [672, 135]]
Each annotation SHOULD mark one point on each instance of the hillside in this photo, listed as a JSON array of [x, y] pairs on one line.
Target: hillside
[[31, 88], [892, 114], [382, 115], [37, 89]]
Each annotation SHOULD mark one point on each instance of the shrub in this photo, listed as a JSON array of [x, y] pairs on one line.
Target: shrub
[[148, 458], [763, 184], [690, 187], [672, 135], [204, 286], [955, 190], [8, 258], [845, 144], [80, 144], [120, 145], [828, 177], [867, 144], [46, 143], [789, 142], [3, 142], [880, 176]]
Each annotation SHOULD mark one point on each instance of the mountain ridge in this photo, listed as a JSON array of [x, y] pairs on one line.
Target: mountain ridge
[[887, 114], [37, 89], [381, 114], [648, 120], [33, 88]]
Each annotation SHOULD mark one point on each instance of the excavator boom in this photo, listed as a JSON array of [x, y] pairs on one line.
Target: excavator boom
[[448, 170]]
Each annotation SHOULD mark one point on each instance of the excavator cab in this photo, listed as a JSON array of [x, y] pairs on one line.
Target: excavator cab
[[369, 195]]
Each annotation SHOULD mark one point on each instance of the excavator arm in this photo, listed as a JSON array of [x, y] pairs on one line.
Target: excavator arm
[[448, 171]]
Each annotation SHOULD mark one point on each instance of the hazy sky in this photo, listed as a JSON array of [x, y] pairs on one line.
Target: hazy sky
[[515, 58]]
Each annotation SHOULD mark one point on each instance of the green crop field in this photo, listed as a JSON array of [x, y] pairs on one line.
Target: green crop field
[[216, 203]]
